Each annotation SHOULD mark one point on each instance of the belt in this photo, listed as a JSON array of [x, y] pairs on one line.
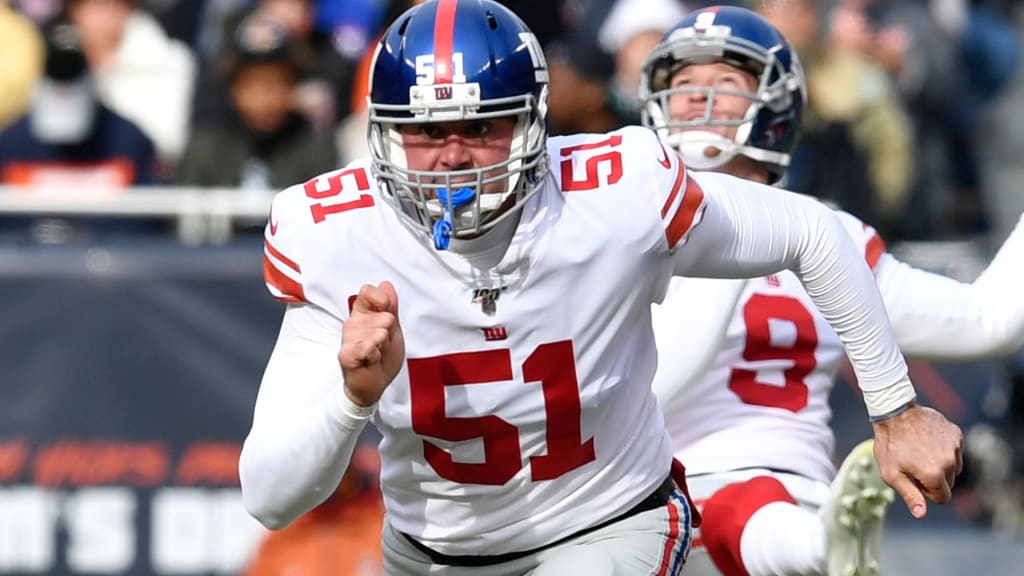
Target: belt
[[656, 499]]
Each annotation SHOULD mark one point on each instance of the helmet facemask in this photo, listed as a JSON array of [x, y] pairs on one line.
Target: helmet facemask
[[414, 193]]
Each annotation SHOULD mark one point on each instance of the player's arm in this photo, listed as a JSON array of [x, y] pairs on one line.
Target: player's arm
[[304, 427], [751, 230], [754, 229], [940, 318]]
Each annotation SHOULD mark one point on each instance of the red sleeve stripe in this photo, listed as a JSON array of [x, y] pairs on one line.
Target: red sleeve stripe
[[268, 247], [676, 187], [444, 36], [874, 250], [279, 278], [686, 214], [282, 287]]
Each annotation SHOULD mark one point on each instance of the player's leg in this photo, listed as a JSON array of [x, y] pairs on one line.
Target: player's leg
[[855, 514], [747, 522], [576, 559], [759, 523], [651, 543], [698, 562], [401, 558], [756, 527]]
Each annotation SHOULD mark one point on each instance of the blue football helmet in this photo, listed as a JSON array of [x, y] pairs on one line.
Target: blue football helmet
[[450, 60], [767, 131]]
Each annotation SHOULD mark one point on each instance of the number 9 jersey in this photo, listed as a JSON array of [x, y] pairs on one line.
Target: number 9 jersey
[[768, 374], [524, 411]]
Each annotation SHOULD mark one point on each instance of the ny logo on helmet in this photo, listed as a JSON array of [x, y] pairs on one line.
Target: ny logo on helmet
[[442, 92]]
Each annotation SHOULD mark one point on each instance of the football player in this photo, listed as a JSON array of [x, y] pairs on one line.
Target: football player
[[490, 290], [752, 423]]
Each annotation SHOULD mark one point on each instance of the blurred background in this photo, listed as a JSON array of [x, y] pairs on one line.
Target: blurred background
[[142, 140]]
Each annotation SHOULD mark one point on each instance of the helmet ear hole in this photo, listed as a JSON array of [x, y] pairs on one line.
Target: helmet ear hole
[[492, 22]]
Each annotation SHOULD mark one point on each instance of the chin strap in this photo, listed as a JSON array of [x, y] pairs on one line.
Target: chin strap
[[443, 227], [693, 146]]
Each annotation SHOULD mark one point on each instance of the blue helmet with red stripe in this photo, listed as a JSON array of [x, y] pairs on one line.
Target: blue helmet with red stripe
[[767, 132], [458, 60]]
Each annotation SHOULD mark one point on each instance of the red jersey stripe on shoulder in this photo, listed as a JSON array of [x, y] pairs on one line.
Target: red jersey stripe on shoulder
[[282, 287], [682, 221], [676, 187], [277, 254], [664, 160], [874, 249], [444, 37]]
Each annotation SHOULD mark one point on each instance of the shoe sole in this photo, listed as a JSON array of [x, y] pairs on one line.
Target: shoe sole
[[858, 504]]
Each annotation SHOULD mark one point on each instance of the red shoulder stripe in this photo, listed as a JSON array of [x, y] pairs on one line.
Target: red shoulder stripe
[[676, 187], [693, 199], [282, 286], [874, 250], [277, 254]]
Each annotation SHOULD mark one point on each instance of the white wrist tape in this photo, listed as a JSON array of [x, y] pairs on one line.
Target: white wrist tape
[[359, 414], [889, 399]]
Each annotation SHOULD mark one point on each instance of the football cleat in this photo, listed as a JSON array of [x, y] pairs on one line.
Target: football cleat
[[855, 514]]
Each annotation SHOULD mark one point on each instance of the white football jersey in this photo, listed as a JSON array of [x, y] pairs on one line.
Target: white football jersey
[[524, 411], [762, 401]]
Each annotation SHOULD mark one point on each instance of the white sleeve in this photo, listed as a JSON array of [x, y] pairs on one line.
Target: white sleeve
[[304, 428], [939, 318], [752, 230]]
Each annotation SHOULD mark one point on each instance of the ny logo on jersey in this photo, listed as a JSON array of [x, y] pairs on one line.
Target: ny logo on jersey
[[495, 333], [488, 298]]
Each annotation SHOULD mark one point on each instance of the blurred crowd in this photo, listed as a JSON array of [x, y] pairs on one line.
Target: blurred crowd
[[905, 127]]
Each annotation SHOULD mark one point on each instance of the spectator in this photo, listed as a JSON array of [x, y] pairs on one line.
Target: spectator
[[351, 132], [632, 29], [262, 144], [948, 62], [181, 19], [22, 55], [321, 94], [39, 11], [990, 47], [69, 140], [580, 70], [140, 72], [856, 149]]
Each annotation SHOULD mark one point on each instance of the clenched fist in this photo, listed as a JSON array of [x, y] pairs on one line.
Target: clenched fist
[[919, 454], [372, 345]]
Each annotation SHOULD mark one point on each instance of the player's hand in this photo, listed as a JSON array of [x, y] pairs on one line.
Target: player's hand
[[372, 345], [919, 453]]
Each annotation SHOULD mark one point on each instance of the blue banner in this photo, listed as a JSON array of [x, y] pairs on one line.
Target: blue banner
[[129, 377]]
